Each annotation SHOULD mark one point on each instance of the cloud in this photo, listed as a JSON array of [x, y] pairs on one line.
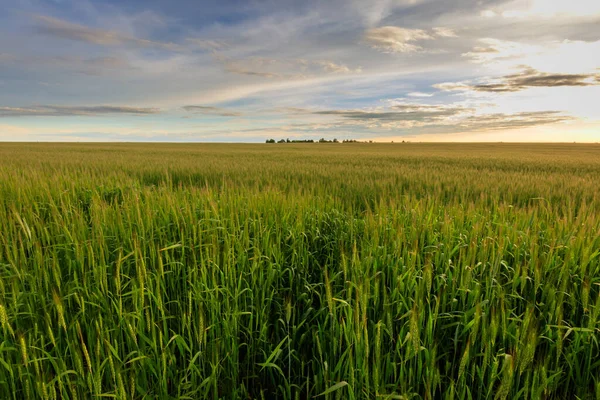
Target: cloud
[[96, 65], [329, 66], [206, 44], [407, 112], [418, 118], [68, 30], [503, 121], [393, 39], [444, 32], [208, 110], [282, 68], [64, 111], [6, 58], [302, 56], [488, 14], [491, 50], [235, 67], [452, 86], [555, 56], [403, 115], [107, 62], [525, 79], [419, 94], [89, 66], [533, 9]]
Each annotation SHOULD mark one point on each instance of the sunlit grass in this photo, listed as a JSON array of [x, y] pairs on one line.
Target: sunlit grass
[[290, 271]]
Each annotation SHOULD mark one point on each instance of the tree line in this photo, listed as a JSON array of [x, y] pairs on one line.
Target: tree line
[[322, 140]]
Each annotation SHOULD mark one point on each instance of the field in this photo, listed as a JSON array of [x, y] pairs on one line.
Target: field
[[345, 271]]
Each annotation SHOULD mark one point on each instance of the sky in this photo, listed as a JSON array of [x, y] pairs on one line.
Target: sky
[[250, 70]]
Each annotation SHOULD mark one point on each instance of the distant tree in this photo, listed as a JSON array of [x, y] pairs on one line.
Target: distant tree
[[270, 141], [288, 140], [281, 141], [335, 140]]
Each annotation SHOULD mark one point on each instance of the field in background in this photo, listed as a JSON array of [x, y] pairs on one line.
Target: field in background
[[288, 271]]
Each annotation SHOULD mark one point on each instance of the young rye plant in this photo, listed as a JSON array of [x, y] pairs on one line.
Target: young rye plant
[[256, 271]]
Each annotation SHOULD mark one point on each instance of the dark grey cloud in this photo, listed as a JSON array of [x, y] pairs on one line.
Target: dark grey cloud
[[503, 121], [493, 122], [65, 111], [525, 79], [426, 118], [209, 110], [530, 77], [401, 112], [470, 123]]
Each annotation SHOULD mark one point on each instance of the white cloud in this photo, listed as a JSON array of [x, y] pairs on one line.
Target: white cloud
[[452, 86], [419, 94], [550, 8], [553, 56], [491, 50], [444, 32], [392, 39]]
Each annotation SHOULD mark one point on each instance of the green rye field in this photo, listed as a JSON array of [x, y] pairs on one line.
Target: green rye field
[[290, 271]]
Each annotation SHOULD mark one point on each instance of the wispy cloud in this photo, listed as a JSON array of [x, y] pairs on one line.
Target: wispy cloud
[[330, 66], [394, 39], [6, 58], [282, 68], [401, 112], [418, 118], [207, 44], [68, 30], [89, 66], [240, 67], [64, 111], [444, 32], [491, 50], [505, 121], [209, 110], [419, 94], [525, 79]]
